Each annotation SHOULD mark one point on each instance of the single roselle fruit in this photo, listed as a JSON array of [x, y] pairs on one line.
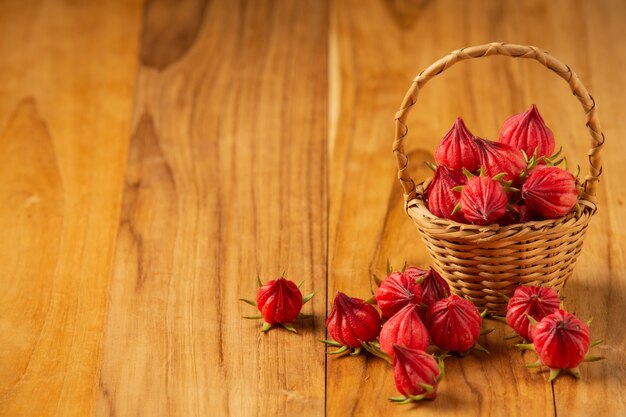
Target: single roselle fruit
[[528, 132], [434, 288], [441, 196], [457, 149], [405, 328], [453, 324], [396, 291], [561, 341], [497, 158], [279, 302], [416, 374], [518, 213], [483, 200], [533, 301], [351, 322], [418, 274], [550, 191]]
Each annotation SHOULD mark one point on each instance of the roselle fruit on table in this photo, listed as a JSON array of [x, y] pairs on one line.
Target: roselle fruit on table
[[279, 301], [350, 323], [454, 324], [528, 132], [458, 149], [416, 375], [550, 191], [406, 329], [434, 288], [536, 302], [561, 341], [396, 291], [442, 198]]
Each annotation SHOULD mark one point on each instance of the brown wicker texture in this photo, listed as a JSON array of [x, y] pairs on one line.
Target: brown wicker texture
[[484, 262]]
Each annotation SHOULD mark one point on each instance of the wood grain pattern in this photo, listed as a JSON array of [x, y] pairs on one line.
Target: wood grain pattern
[[226, 179], [67, 71]]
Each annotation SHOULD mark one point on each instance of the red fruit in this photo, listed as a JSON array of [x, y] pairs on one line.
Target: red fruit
[[279, 301], [414, 272], [550, 191], [396, 291], [536, 302], [527, 131], [519, 213], [561, 340], [416, 374], [453, 324], [498, 157], [525, 215], [441, 197], [434, 288], [483, 200], [457, 149], [352, 321], [405, 329]]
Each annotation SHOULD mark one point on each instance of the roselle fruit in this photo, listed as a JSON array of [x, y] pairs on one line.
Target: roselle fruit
[[416, 374], [416, 273], [528, 132], [406, 329], [351, 321], [457, 149], [454, 324], [497, 158], [561, 341], [279, 301], [434, 288], [441, 197], [550, 191], [533, 301], [396, 291], [483, 200]]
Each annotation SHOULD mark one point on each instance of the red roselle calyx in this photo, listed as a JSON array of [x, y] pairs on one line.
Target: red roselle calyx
[[561, 341], [454, 324], [527, 131], [533, 301], [434, 288], [497, 158], [483, 200], [416, 375], [351, 322], [550, 191], [279, 301], [457, 149], [441, 197], [406, 329], [396, 291]]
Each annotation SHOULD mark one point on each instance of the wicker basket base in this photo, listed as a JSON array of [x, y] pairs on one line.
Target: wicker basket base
[[482, 263]]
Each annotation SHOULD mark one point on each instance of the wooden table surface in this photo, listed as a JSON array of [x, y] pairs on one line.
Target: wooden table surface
[[154, 157]]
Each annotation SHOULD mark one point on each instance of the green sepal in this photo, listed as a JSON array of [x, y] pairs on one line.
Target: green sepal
[[371, 300], [308, 297], [289, 327], [265, 327], [256, 316], [575, 372], [534, 364], [252, 303], [512, 336], [431, 166], [483, 313], [456, 208], [442, 368], [258, 280], [300, 284], [589, 322], [479, 348], [304, 316], [595, 343], [339, 351], [484, 332], [331, 343], [429, 388], [375, 350], [592, 358], [389, 269], [531, 319], [458, 188], [553, 374], [525, 346], [377, 280], [397, 399], [482, 172], [356, 352], [506, 297], [417, 397], [467, 174], [500, 176], [501, 319], [423, 306]]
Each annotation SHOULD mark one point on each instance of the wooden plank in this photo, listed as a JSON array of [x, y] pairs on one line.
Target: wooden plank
[[372, 63], [226, 179], [68, 72]]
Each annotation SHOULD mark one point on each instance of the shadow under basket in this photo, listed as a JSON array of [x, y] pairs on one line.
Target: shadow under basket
[[486, 263]]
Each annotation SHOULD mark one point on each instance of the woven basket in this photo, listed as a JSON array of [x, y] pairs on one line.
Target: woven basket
[[483, 263]]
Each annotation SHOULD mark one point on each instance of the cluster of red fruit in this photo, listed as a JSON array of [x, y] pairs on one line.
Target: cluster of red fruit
[[511, 181], [559, 338]]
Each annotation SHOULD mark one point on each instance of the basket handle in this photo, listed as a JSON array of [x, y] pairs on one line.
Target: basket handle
[[515, 51]]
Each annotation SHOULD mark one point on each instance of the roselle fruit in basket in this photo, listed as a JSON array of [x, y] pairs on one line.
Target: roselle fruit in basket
[[550, 191], [406, 329], [351, 322], [396, 291], [528, 132], [454, 324], [458, 149], [442, 198], [279, 301], [561, 341], [536, 302], [498, 158], [483, 200], [416, 375]]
